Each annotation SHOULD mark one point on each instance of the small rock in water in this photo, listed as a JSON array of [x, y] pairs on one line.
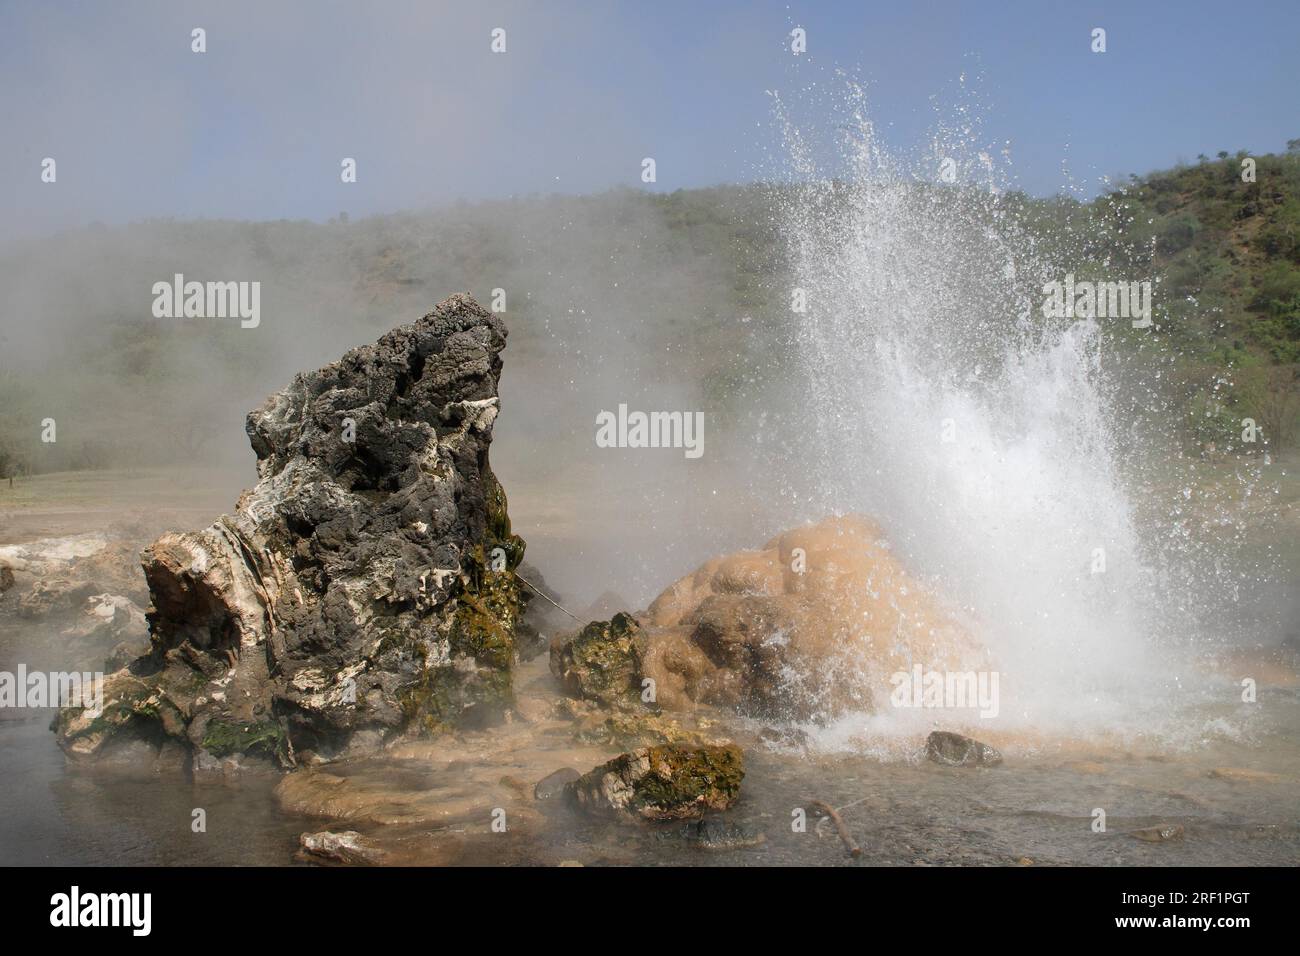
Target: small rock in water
[[670, 782], [346, 847], [954, 750], [1159, 834], [1242, 775], [554, 783]]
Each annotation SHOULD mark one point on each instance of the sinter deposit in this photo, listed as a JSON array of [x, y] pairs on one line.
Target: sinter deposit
[[802, 629]]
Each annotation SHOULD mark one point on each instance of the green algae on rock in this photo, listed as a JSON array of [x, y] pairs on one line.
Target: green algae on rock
[[222, 739], [601, 662], [600, 667], [669, 782]]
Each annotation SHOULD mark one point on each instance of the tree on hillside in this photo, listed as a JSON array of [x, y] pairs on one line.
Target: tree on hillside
[[9, 463]]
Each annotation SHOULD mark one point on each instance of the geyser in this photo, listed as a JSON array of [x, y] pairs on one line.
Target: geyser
[[976, 430]]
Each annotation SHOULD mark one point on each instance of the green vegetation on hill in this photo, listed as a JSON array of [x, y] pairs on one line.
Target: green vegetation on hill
[[1227, 253], [625, 290]]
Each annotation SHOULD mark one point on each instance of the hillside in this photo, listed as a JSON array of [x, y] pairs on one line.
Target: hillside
[[1227, 254], [684, 295]]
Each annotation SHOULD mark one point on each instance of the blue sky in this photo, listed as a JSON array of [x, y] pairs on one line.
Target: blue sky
[[256, 127]]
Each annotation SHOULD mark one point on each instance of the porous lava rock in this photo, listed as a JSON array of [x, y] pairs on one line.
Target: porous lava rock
[[362, 589]]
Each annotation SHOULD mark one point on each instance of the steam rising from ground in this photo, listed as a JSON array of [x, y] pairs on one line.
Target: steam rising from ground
[[923, 315], [604, 302]]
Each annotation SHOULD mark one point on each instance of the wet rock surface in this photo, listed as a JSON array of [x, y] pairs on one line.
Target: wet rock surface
[[457, 780], [348, 847], [601, 662], [662, 783], [624, 730], [956, 750], [363, 589], [85, 589]]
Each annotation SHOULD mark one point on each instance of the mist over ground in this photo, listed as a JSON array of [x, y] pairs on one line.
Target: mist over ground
[[605, 302], [636, 292]]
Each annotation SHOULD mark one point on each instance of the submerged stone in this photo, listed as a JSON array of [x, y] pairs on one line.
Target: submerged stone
[[714, 833], [553, 784], [955, 750], [637, 730], [1162, 833]]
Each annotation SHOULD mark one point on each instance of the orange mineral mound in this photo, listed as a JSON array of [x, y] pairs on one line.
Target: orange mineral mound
[[811, 626]]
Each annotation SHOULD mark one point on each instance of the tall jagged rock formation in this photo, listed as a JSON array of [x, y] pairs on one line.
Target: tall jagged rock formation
[[362, 589]]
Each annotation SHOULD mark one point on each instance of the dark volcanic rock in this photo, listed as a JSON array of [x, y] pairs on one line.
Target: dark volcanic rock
[[955, 750], [662, 783], [364, 587]]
